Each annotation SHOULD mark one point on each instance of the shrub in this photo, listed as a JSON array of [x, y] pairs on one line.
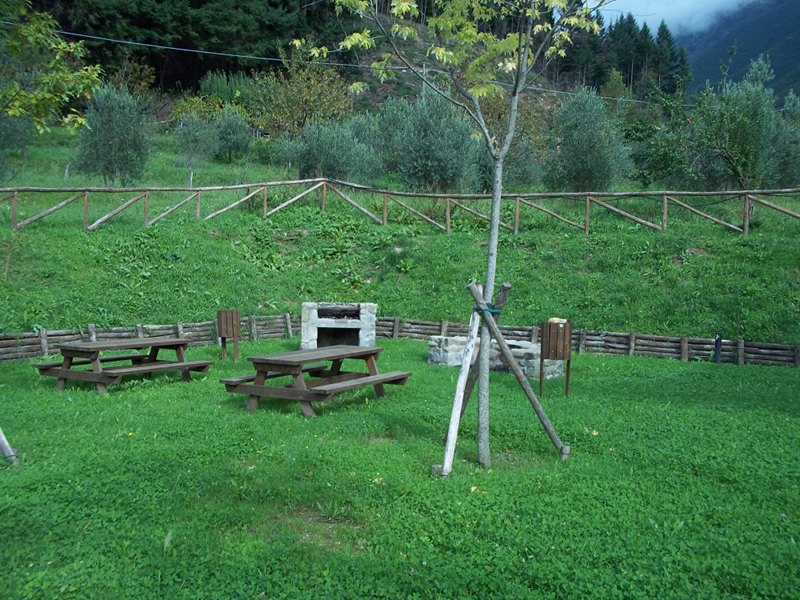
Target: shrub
[[587, 149], [197, 139], [229, 88], [440, 150], [334, 149], [16, 133], [115, 145], [233, 133]]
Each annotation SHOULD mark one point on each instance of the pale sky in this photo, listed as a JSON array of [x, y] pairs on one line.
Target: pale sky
[[682, 16]]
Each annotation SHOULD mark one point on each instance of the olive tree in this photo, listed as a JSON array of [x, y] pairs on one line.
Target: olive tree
[[116, 143]]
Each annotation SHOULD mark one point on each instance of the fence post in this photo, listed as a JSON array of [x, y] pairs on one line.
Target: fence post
[[664, 211], [253, 328], [631, 343], [443, 328], [797, 356], [684, 349], [534, 334], [396, 327], [14, 211], [739, 352], [746, 220], [385, 208], [582, 342], [516, 216], [90, 329], [179, 330], [43, 341], [587, 215], [85, 210], [447, 215], [287, 318], [197, 206], [324, 195], [146, 201], [264, 202], [139, 330]]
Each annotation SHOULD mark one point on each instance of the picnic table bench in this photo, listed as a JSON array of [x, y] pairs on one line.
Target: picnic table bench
[[326, 376], [111, 369]]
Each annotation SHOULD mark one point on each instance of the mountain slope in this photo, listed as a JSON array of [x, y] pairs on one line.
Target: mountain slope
[[770, 27]]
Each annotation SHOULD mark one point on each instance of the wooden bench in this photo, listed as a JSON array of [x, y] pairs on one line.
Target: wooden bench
[[134, 358], [313, 370], [146, 368], [393, 378]]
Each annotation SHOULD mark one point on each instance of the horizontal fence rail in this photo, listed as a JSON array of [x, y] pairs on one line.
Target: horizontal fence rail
[[438, 210], [44, 342]]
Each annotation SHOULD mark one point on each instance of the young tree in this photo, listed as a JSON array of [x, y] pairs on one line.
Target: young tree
[[234, 136], [197, 139], [484, 48], [115, 145]]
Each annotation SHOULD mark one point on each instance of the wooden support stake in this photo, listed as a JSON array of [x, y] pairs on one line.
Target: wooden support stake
[[324, 196], [139, 330], [739, 352], [684, 349], [197, 207], [85, 210], [264, 202], [90, 329], [582, 342], [488, 319], [534, 334], [146, 202], [797, 356], [385, 208], [179, 330], [516, 215], [14, 211], [443, 328], [447, 215], [664, 211], [396, 327], [458, 401], [631, 343], [9, 452]]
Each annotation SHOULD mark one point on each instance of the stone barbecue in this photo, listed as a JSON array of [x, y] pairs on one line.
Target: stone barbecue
[[448, 350], [328, 324]]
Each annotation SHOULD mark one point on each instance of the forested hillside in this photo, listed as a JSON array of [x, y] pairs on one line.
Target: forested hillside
[[770, 27]]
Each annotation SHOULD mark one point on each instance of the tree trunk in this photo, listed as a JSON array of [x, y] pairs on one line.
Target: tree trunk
[[486, 338]]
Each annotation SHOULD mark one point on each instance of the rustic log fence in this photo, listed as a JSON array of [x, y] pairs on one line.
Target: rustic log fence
[[44, 342], [578, 206]]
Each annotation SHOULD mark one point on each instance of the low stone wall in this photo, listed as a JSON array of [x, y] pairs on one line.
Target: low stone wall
[[449, 350]]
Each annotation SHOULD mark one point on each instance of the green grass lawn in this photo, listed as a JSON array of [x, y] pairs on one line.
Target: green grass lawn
[[684, 482]]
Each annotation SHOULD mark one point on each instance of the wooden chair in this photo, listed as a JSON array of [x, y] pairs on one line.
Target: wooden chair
[[228, 326], [556, 345]]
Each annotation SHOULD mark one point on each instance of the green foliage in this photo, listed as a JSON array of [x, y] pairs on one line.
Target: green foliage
[[234, 136], [681, 484], [588, 150], [738, 130], [197, 139], [303, 94], [229, 88], [337, 149], [40, 72], [115, 145], [435, 149], [16, 133], [204, 108]]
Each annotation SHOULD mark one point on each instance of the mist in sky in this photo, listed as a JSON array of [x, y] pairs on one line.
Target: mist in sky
[[682, 16]]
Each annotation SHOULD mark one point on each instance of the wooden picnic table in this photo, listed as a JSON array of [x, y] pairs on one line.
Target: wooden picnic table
[[107, 369], [324, 367]]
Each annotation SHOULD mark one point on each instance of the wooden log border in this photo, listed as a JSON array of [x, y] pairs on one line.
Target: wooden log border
[[46, 342]]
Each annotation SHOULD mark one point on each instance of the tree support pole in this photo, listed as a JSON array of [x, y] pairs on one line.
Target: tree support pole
[[488, 321]]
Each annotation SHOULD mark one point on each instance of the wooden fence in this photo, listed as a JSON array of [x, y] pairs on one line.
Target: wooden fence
[[573, 210], [15, 346]]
